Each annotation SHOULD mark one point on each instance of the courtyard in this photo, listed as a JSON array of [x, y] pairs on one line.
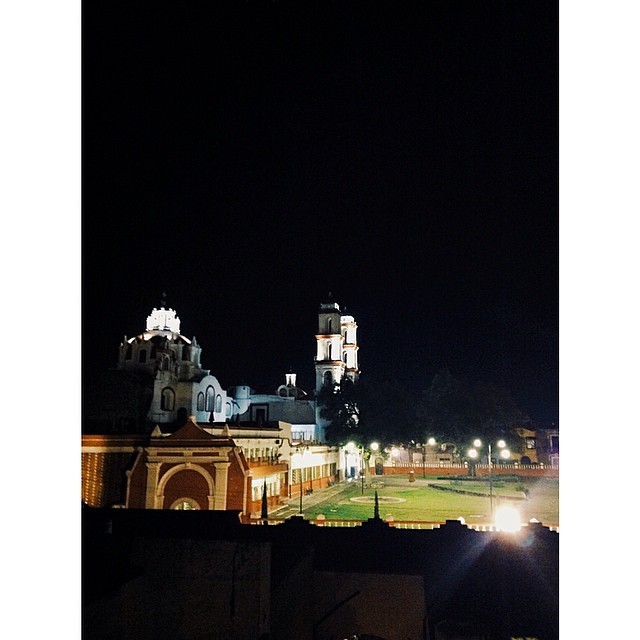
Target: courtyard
[[432, 500]]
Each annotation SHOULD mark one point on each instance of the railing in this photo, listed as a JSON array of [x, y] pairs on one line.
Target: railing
[[396, 524]]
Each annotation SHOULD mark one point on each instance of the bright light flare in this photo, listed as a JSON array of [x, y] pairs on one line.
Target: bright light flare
[[472, 453], [431, 441], [505, 453], [477, 443], [374, 446], [508, 519]]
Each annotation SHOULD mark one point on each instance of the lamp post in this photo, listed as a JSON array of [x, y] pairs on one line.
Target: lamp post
[[504, 453], [431, 442], [374, 446], [300, 453], [300, 485]]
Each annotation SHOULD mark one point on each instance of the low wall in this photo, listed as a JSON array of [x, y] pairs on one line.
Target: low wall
[[419, 470]]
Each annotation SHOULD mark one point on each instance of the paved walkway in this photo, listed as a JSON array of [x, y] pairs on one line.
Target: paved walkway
[[321, 495]]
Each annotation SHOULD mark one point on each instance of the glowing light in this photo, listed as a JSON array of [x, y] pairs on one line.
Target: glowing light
[[374, 446], [477, 443], [472, 453], [508, 519], [505, 453], [395, 452], [431, 441], [350, 445], [502, 444]]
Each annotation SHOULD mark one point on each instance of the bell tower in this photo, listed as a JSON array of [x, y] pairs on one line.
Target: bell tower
[[336, 350]]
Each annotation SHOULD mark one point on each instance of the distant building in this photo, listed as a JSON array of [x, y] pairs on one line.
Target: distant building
[[538, 446]]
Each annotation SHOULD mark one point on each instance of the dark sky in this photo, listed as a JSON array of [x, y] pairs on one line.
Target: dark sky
[[250, 157]]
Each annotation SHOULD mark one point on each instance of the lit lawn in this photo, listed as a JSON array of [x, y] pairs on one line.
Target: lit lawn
[[423, 503]]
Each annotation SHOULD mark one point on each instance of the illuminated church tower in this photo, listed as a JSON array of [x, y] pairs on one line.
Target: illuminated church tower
[[180, 384], [336, 349]]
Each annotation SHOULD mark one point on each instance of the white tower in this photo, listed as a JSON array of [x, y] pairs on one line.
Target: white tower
[[336, 350]]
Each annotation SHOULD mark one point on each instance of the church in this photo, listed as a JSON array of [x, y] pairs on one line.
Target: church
[[160, 432]]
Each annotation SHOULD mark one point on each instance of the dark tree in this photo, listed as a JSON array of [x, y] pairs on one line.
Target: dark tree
[[371, 410], [387, 411], [339, 406], [455, 412]]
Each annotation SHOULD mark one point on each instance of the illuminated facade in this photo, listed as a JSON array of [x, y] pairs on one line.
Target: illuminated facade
[[204, 447]]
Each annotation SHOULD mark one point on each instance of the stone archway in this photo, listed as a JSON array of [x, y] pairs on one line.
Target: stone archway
[[186, 480]]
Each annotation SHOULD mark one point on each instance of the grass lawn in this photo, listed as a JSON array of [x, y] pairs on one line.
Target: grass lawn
[[420, 502]]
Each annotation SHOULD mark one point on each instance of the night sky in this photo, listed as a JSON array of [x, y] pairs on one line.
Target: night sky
[[248, 158]]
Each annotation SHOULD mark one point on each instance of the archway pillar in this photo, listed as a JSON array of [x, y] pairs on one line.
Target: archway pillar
[[153, 475], [220, 487]]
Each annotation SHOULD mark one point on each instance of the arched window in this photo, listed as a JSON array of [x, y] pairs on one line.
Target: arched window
[[218, 403], [328, 325], [185, 353], [166, 364], [209, 399], [328, 379], [142, 356], [200, 402], [127, 355], [167, 400]]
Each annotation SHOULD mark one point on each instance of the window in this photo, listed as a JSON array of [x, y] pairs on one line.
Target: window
[[142, 356], [185, 353], [167, 400], [200, 402], [210, 396], [127, 355], [218, 403], [530, 443]]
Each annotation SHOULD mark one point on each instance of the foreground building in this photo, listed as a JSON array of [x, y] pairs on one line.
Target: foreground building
[[162, 575]]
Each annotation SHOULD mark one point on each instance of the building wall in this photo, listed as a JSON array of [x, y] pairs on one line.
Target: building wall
[[188, 589], [374, 604]]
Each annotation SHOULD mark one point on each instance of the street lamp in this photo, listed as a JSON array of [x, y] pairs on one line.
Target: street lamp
[[504, 453], [362, 471]]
